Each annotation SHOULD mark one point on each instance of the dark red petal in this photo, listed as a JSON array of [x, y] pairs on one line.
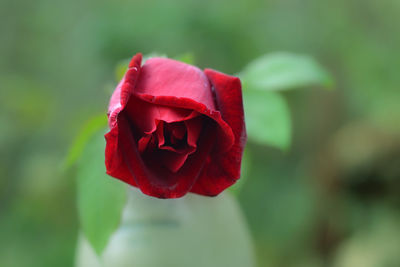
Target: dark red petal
[[224, 132], [178, 131], [222, 170], [167, 77], [124, 90], [145, 115], [185, 150], [114, 161], [150, 177], [171, 157], [160, 133], [193, 127], [161, 140], [173, 161], [143, 142], [174, 157]]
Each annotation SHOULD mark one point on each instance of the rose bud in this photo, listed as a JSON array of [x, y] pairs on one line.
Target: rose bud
[[175, 129]]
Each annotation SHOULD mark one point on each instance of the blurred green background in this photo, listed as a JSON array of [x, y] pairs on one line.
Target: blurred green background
[[332, 199]]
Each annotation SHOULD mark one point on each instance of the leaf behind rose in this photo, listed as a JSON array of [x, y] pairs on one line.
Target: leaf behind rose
[[187, 58], [284, 71], [91, 126], [101, 198], [267, 118]]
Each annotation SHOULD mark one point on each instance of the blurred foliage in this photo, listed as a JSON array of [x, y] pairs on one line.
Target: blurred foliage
[[86, 134], [332, 199], [283, 71], [267, 118], [267, 114]]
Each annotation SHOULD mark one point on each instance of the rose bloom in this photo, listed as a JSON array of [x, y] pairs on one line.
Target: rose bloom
[[175, 129]]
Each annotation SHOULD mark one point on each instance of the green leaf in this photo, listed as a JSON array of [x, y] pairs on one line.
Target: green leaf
[[100, 197], [121, 68], [93, 125], [187, 58], [283, 71], [267, 118]]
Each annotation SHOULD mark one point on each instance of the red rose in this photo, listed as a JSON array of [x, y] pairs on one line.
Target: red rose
[[175, 129]]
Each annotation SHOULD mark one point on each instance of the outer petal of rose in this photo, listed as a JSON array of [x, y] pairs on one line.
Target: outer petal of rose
[[222, 170], [124, 90], [113, 160], [168, 77], [145, 115], [153, 179], [115, 164]]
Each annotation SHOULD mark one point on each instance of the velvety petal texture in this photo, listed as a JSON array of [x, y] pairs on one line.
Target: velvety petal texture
[[175, 129]]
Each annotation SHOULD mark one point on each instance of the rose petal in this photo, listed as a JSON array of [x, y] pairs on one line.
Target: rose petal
[[124, 90], [167, 77], [143, 142], [175, 130], [222, 170], [171, 156], [174, 157], [150, 177], [160, 133], [193, 127], [145, 115], [114, 161], [173, 161], [224, 132], [178, 131]]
